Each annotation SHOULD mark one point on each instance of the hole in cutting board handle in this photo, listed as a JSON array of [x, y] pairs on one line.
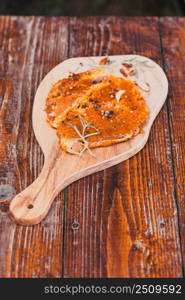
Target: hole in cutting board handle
[[30, 206]]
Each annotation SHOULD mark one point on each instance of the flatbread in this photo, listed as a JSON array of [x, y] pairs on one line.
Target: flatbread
[[112, 112], [67, 90]]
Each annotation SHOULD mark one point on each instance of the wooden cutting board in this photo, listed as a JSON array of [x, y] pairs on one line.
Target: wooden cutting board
[[60, 169]]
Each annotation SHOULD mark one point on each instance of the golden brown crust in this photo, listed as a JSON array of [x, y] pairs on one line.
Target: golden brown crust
[[93, 109], [67, 90], [111, 119]]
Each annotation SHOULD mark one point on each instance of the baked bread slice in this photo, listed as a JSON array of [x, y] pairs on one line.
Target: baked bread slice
[[112, 112], [67, 90]]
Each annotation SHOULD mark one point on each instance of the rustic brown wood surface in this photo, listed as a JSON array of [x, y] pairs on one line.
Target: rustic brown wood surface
[[126, 221], [31, 206]]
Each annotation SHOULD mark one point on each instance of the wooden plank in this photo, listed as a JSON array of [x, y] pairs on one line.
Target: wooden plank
[[123, 221], [120, 222], [30, 48], [172, 35]]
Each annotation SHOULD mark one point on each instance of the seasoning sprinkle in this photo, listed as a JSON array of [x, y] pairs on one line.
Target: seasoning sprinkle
[[97, 80], [104, 61], [84, 105], [127, 65], [107, 113], [96, 106], [56, 95], [122, 71]]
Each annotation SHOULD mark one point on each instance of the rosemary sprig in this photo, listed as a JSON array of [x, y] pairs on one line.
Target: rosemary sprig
[[129, 59], [86, 125], [135, 60], [145, 63], [84, 143]]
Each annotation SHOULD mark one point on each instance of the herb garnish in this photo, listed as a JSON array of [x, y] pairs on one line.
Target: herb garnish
[[83, 137]]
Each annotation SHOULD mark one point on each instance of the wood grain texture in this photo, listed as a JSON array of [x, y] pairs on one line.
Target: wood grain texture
[[123, 221], [173, 33], [28, 55], [147, 224]]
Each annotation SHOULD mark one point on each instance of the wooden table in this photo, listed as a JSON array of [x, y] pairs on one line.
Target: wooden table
[[126, 221]]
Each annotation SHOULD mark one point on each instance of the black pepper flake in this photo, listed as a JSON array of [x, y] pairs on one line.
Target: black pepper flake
[[91, 100], [84, 105], [96, 106], [57, 95], [107, 113], [74, 76], [97, 80]]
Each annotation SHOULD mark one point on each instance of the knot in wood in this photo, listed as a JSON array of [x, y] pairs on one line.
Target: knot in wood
[[75, 225], [6, 192]]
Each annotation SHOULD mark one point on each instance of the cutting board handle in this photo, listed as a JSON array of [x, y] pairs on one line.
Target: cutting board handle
[[32, 204]]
